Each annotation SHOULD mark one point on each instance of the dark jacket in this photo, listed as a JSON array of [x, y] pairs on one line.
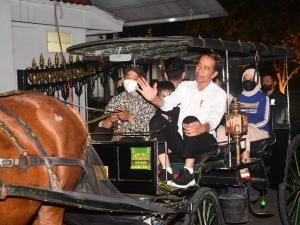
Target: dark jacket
[[279, 112]]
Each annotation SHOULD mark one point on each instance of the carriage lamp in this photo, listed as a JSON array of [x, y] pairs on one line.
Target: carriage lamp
[[236, 126], [263, 203]]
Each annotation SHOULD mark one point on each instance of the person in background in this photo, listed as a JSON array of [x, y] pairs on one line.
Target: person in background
[[119, 85], [128, 112], [280, 127], [153, 82], [166, 122], [278, 102], [202, 105], [164, 89], [257, 107], [218, 81], [174, 70]]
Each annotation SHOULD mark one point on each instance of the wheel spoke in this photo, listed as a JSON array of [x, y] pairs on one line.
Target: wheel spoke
[[293, 173], [296, 162], [211, 220], [199, 217], [296, 214], [204, 212], [208, 211], [294, 202], [292, 194]]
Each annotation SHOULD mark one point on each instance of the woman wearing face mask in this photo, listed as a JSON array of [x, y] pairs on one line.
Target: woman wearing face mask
[[130, 113], [257, 107]]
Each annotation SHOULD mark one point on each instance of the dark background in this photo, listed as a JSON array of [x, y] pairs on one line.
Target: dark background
[[274, 22]]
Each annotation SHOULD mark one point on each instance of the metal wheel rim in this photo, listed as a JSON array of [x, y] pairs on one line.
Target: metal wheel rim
[[292, 187]]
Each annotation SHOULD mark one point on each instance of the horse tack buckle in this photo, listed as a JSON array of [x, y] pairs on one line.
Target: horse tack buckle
[[8, 163], [3, 192]]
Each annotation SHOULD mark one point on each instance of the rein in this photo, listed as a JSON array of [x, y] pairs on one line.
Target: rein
[[92, 109], [24, 159]]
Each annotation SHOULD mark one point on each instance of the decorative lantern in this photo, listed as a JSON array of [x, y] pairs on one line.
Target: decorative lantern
[[236, 125]]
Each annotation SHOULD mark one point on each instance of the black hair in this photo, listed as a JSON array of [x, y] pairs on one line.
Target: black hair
[[274, 78], [217, 58], [174, 67], [165, 85], [137, 69], [153, 81]]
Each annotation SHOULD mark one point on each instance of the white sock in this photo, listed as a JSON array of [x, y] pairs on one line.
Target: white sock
[[191, 170], [169, 169]]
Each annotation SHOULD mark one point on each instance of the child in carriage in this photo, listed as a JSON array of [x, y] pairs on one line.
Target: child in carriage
[[167, 121]]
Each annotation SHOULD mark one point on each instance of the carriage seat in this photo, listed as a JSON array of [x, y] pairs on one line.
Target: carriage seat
[[258, 148], [200, 159]]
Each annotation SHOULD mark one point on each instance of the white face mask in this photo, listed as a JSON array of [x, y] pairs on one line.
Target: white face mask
[[130, 85]]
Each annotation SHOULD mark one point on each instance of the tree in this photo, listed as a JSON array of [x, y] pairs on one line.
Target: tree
[[292, 41]]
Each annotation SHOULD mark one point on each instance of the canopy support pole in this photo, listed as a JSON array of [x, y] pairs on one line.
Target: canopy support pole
[[288, 97], [228, 103]]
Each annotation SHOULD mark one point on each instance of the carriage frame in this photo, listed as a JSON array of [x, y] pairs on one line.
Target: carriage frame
[[200, 203]]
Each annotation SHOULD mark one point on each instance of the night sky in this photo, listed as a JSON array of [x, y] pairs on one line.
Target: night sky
[[258, 20], [267, 21]]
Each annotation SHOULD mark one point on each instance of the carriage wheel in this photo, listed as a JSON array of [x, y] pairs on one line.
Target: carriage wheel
[[289, 192], [207, 209]]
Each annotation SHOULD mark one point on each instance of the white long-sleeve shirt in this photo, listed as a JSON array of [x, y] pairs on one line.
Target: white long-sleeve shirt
[[208, 105]]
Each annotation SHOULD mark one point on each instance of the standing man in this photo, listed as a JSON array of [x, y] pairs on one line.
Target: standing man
[[279, 125], [278, 102], [202, 105]]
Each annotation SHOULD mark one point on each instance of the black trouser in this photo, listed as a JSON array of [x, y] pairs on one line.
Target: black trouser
[[187, 147]]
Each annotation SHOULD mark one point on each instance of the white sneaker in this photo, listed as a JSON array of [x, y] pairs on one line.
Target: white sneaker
[[184, 180], [245, 174]]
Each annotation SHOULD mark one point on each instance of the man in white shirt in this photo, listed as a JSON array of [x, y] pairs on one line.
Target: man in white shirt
[[202, 105]]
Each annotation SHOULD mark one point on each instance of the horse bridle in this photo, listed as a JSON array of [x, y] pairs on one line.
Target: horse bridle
[[25, 160]]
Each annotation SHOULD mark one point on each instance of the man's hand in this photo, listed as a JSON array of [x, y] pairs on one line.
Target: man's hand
[[146, 90], [125, 115], [194, 128]]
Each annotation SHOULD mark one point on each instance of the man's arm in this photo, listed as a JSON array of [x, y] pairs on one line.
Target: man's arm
[[149, 93]]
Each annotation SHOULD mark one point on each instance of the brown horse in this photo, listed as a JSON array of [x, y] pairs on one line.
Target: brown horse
[[59, 131]]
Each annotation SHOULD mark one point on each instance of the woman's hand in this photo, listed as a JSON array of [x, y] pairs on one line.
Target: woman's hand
[[113, 117], [125, 115]]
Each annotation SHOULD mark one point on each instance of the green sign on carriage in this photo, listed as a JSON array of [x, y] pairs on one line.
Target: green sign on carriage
[[140, 158]]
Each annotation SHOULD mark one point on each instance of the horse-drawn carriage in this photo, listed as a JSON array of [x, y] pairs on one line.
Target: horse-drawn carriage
[[220, 193]]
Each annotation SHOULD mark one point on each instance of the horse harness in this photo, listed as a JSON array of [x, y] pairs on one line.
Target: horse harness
[[25, 160]]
